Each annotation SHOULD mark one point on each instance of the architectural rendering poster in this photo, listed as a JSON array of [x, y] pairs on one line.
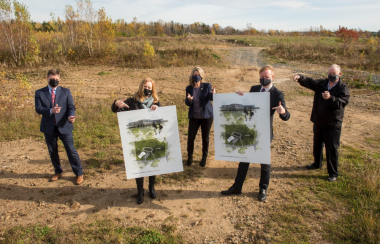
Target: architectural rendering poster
[[150, 141], [242, 127]]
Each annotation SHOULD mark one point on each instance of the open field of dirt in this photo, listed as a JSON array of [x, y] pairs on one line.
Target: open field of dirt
[[194, 206]]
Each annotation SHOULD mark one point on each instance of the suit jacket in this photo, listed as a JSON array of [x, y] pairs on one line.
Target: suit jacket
[[205, 98], [327, 113], [132, 104], [276, 96], [43, 104]]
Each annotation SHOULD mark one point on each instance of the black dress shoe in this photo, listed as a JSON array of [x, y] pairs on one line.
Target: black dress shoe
[[140, 197], [331, 178], [262, 195], [203, 162], [152, 192], [312, 166], [231, 191], [189, 160]]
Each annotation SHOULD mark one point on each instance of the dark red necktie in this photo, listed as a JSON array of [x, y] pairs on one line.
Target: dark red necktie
[[53, 96], [53, 101], [263, 90]]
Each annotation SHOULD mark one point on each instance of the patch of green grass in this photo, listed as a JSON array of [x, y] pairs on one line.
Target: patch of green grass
[[102, 73], [374, 87], [347, 211], [168, 228], [15, 125], [100, 154], [104, 231], [215, 56], [358, 188], [93, 163]]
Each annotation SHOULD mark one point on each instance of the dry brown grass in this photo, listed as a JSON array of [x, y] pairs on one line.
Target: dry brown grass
[[359, 56]]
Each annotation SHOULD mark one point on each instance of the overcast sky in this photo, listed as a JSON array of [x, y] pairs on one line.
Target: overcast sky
[[282, 15]]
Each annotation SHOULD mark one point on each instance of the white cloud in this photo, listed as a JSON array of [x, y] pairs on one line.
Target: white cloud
[[296, 5]]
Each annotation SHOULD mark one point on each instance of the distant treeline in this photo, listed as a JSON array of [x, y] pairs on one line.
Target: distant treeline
[[87, 33]]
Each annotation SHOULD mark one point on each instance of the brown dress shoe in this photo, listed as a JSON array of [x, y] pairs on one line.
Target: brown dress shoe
[[56, 177], [80, 179]]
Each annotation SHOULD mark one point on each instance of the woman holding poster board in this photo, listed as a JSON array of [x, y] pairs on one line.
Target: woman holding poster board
[[198, 97], [145, 97]]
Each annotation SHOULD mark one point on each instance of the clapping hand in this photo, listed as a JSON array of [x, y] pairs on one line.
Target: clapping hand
[[296, 78], [280, 109], [121, 104]]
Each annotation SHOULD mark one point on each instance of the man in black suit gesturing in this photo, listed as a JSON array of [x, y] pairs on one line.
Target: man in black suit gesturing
[[330, 98], [277, 104], [56, 105]]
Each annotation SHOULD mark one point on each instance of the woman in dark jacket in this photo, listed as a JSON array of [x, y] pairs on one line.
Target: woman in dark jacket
[[198, 97], [145, 97]]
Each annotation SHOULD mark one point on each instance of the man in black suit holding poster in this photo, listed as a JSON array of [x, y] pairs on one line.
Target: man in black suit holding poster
[[277, 104]]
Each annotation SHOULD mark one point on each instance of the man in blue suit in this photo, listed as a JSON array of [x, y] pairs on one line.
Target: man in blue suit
[[56, 105]]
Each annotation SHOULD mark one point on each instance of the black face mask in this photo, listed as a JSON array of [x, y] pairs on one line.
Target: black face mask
[[197, 78], [265, 82], [147, 92], [53, 82], [333, 78]]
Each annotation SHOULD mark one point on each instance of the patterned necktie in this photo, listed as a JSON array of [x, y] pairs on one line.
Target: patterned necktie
[[263, 90], [53, 96]]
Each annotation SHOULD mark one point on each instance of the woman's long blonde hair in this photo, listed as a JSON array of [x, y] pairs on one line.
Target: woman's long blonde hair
[[201, 74], [139, 95]]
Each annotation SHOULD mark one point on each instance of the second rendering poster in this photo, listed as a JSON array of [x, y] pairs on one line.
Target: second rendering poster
[[242, 127]]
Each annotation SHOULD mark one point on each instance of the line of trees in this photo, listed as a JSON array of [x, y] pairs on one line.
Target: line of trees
[[84, 30], [90, 33]]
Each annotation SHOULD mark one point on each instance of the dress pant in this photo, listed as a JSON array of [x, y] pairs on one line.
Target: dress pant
[[194, 125], [68, 143], [242, 173], [140, 182], [331, 139]]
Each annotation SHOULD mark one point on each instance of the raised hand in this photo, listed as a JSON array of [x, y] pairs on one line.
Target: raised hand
[[280, 109], [56, 109], [213, 91], [72, 118], [296, 78], [121, 104], [189, 97]]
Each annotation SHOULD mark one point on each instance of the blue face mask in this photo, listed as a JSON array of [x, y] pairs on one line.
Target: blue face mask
[[197, 78]]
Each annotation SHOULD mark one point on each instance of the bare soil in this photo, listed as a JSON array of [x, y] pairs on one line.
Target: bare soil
[[196, 208]]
